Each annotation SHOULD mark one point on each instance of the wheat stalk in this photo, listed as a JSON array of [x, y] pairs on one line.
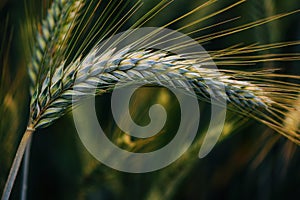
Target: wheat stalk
[[55, 80], [56, 30]]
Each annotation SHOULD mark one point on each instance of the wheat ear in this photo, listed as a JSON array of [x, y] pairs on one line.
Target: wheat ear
[[106, 70], [55, 32], [52, 37]]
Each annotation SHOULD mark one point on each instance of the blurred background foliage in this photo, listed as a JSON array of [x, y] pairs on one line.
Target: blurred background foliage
[[250, 161]]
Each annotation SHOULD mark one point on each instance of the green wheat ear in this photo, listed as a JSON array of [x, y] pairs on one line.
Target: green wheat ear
[[51, 40], [52, 37], [125, 66], [54, 78]]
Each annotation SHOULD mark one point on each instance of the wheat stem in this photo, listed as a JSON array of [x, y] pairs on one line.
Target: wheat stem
[[16, 163]]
